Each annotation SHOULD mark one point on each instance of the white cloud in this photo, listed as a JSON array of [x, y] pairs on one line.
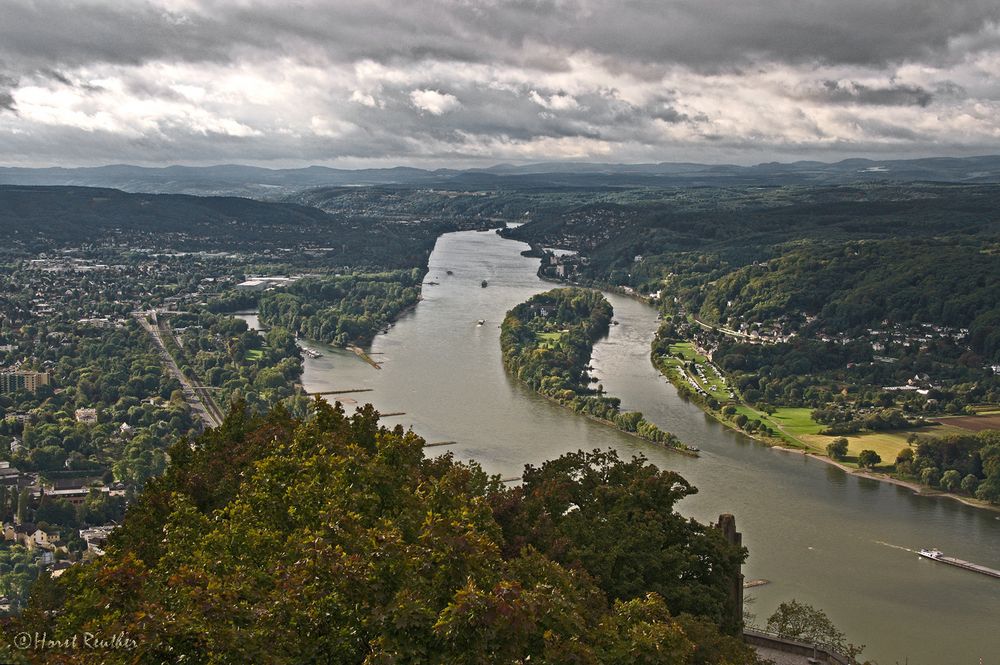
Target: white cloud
[[434, 102], [366, 100], [555, 102], [391, 82]]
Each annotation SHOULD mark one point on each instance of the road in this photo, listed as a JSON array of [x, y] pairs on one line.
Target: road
[[201, 403], [725, 331]]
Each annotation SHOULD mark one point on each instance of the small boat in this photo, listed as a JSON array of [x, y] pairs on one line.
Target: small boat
[[481, 322], [484, 284], [312, 353], [614, 322], [931, 554], [450, 272]]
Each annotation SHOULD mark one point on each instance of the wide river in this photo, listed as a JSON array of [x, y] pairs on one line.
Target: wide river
[[838, 542]]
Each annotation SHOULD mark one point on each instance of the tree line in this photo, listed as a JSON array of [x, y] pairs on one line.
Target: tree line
[[342, 309], [547, 342]]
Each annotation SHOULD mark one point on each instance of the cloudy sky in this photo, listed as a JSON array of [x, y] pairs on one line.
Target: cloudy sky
[[473, 82]]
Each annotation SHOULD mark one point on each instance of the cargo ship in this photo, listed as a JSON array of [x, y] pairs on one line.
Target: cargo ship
[[938, 555]]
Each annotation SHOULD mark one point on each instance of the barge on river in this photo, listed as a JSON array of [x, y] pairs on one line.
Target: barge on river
[[937, 555]]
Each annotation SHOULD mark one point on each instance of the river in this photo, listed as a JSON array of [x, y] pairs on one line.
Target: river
[[819, 535]]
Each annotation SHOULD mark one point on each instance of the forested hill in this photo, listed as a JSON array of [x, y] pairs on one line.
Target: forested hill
[[950, 282], [743, 224], [45, 218], [843, 259], [334, 540]]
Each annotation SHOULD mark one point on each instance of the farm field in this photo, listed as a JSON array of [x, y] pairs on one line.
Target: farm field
[[976, 423], [886, 444]]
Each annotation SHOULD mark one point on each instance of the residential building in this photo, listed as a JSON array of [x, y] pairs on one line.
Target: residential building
[[12, 381], [97, 537], [47, 539], [9, 475]]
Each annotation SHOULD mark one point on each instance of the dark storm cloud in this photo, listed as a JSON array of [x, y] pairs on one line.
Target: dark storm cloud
[[519, 114], [215, 80], [886, 130], [699, 33], [856, 93], [7, 85]]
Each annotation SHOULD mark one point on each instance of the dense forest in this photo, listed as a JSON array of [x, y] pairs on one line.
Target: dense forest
[[342, 309], [547, 341], [704, 244], [853, 256], [333, 539], [711, 229]]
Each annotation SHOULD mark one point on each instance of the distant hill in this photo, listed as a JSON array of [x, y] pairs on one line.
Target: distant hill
[[265, 183], [228, 179], [44, 218]]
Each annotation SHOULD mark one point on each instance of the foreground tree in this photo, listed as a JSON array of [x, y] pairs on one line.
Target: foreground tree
[[799, 621], [333, 540], [616, 520]]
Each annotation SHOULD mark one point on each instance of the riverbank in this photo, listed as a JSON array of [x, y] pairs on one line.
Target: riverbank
[[547, 343], [682, 451], [916, 488], [788, 443]]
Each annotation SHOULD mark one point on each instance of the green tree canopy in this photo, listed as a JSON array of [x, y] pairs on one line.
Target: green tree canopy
[[800, 621], [837, 449], [334, 540], [869, 459]]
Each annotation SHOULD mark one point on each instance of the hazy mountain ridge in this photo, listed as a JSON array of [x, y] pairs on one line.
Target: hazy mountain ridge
[[257, 182]]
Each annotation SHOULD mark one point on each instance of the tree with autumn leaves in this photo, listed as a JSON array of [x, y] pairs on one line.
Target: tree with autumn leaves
[[334, 540]]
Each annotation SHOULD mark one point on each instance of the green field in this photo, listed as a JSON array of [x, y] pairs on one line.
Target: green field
[[794, 425], [886, 444], [255, 354], [547, 340], [789, 424], [796, 421]]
